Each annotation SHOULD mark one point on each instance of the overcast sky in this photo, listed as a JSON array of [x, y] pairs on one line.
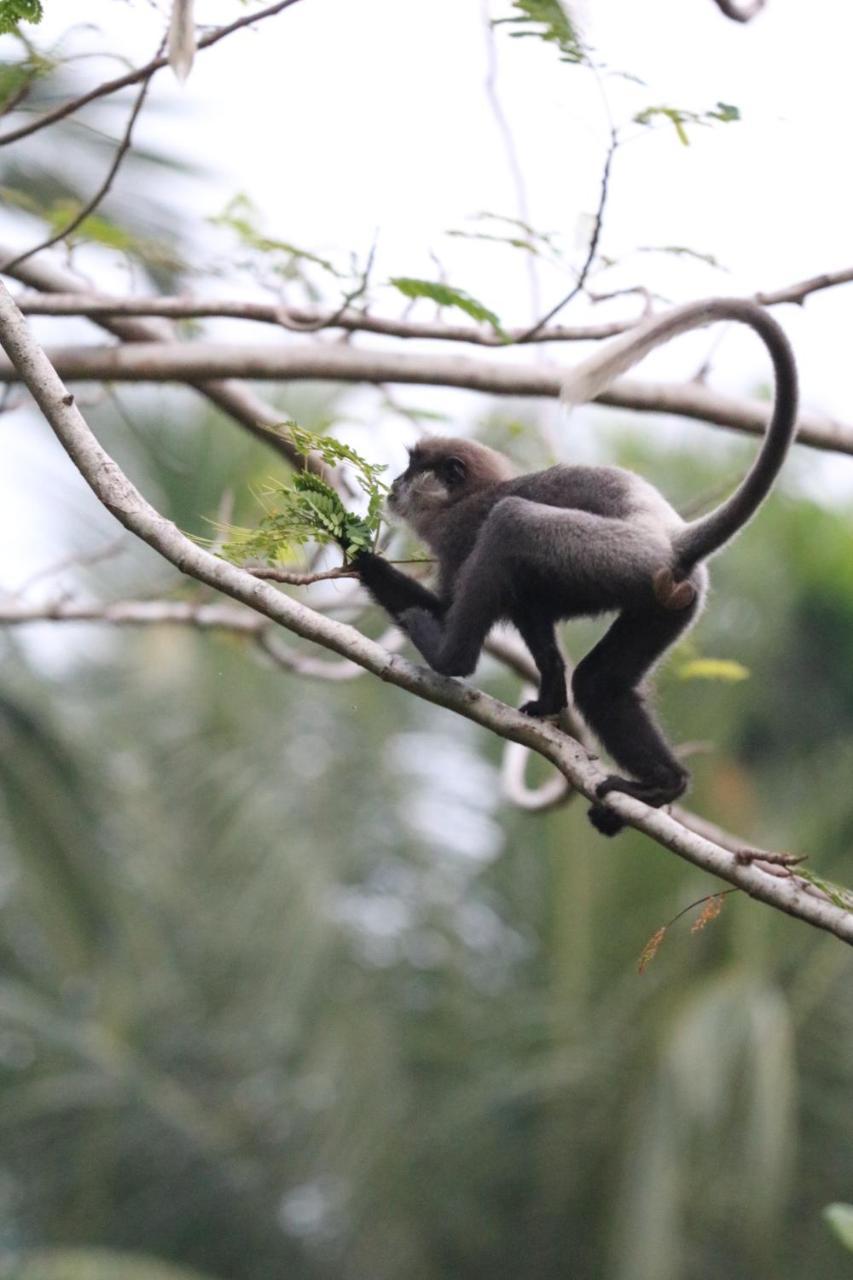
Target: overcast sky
[[344, 119]]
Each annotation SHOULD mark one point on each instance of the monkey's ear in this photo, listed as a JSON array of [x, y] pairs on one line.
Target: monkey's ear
[[454, 470]]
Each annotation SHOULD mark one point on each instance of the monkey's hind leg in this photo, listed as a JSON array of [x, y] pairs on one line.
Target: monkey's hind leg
[[537, 632], [606, 693]]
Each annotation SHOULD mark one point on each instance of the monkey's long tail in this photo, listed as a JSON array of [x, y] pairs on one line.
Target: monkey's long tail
[[701, 538]]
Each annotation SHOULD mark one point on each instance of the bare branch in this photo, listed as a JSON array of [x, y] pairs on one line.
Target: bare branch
[[134, 77], [127, 504], [800, 291], [306, 319], [81, 302], [198, 363], [294, 579], [205, 617]]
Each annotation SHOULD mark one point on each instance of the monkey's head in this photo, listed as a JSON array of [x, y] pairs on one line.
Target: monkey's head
[[442, 471]]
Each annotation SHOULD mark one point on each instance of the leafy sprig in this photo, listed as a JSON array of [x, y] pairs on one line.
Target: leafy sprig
[[548, 20], [722, 113], [14, 11], [306, 508]]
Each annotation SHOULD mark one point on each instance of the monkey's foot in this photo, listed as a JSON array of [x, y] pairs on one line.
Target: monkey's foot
[[605, 820], [655, 794], [542, 708]]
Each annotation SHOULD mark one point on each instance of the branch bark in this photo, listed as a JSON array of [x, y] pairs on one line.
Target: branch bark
[[199, 362], [785, 892], [96, 306]]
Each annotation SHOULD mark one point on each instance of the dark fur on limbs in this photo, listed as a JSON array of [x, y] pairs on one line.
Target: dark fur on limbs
[[576, 541]]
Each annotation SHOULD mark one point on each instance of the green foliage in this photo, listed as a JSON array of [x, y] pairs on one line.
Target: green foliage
[[520, 235], [445, 296], [548, 21], [723, 113], [840, 1219], [14, 11], [307, 509], [240, 216], [713, 669], [91, 1264]]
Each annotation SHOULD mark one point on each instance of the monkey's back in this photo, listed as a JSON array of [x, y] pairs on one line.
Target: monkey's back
[[602, 491]]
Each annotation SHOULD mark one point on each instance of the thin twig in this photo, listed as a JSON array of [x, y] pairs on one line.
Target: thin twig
[[133, 77], [91, 205], [294, 579], [593, 245]]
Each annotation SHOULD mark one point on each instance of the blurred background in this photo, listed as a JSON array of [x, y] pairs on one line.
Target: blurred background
[[287, 987]]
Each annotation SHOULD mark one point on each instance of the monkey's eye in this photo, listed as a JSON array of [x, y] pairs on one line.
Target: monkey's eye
[[453, 471]]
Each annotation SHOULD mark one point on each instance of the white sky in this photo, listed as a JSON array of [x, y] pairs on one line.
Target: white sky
[[340, 118]]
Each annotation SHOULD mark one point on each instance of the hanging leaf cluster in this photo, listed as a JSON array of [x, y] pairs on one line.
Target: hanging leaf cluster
[[14, 11], [548, 20], [306, 508]]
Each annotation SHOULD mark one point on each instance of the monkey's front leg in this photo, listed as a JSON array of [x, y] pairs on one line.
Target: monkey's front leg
[[427, 634], [395, 591]]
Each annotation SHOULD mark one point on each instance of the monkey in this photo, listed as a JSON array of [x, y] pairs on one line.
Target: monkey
[[576, 541]]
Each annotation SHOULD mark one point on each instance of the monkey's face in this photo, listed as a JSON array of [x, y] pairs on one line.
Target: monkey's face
[[427, 487]]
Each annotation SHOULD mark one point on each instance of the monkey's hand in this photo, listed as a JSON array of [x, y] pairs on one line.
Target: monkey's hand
[[394, 591]]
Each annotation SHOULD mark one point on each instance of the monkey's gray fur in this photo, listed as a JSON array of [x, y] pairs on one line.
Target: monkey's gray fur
[[576, 541]]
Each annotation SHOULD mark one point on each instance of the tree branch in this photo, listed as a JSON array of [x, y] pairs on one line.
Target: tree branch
[[95, 306], [198, 363], [110, 485], [79, 301]]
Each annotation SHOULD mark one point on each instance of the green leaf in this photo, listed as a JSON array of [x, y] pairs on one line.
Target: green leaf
[[723, 113], [446, 296], [840, 1219], [548, 21], [307, 509], [240, 216], [713, 669], [14, 11]]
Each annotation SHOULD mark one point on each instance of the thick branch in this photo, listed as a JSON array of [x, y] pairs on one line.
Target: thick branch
[[119, 496], [323, 362]]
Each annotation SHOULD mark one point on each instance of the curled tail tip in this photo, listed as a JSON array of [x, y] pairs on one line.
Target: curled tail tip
[[580, 386]]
